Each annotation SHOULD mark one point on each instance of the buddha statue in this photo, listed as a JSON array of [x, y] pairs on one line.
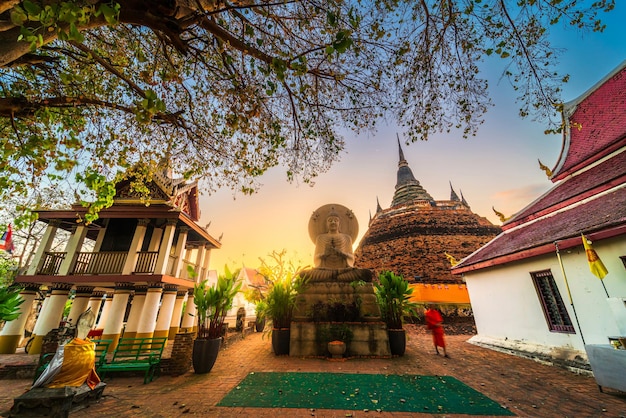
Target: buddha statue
[[334, 258]]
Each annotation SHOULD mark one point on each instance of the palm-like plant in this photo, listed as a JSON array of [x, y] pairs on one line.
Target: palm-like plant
[[281, 300], [393, 294], [213, 303], [10, 301], [260, 310]]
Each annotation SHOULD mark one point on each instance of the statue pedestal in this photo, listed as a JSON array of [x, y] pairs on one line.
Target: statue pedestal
[[361, 294], [56, 402], [369, 339], [351, 305]]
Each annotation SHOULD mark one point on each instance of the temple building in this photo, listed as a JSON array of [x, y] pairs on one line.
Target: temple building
[[538, 289], [420, 238], [134, 266]]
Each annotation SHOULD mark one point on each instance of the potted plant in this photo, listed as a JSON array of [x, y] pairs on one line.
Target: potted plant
[[337, 337], [393, 294], [212, 304], [260, 311], [281, 300]]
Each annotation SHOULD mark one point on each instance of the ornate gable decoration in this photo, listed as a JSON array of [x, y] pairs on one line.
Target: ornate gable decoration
[[125, 193], [163, 189], [186, 200]]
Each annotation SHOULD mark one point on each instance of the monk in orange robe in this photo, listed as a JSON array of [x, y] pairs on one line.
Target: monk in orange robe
[[434, 323]]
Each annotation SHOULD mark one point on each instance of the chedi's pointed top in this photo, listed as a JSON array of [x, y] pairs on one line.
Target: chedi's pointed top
[[401, 154], [408, 189]]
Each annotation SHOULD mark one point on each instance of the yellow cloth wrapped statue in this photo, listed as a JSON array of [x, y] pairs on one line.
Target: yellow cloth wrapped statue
[[74, 363], [78, 367]]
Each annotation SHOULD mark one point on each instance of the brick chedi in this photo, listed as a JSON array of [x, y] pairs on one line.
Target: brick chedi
[[413, 236]]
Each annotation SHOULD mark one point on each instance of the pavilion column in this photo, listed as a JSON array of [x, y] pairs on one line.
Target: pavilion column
[[176, 314], [100, 237], [136, 308], [50, 315], [189, 317], [44, 246], [164, 318], [95, 302], [106, 309], [80, 303], [165, 247], [72, 248], [181, 244], [205, 263], [115, 318], [147, 321], [155, 240], [200, 262], [13, 331], [135, 246]]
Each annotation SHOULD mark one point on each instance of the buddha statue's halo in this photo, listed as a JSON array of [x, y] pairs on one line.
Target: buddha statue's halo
[[348, 223]]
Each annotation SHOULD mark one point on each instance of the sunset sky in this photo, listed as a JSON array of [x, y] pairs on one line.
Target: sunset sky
[[496, 168]]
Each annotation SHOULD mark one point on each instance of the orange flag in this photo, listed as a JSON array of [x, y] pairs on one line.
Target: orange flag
[[595, 264]]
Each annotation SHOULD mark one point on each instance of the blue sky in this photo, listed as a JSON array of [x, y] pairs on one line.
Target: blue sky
[[496, 168]]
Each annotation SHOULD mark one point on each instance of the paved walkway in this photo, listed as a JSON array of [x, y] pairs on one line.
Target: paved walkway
[[527, 388]]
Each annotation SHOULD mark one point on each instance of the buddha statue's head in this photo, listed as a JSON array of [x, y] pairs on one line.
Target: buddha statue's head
[[332, 221]]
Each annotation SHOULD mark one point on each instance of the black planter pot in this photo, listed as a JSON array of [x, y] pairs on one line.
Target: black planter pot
[[280, 341], [204, 354], [260, 325], [397, 341]]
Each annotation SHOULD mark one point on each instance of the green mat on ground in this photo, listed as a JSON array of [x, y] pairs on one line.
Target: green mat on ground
[[406, 393]]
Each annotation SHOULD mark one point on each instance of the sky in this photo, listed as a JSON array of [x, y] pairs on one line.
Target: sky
[[497, 168]]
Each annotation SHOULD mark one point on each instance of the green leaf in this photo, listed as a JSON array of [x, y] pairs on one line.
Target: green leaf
[[33, 9], [110, 14], [18, 16]]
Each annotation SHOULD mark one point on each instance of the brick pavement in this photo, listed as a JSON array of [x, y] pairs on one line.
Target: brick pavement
[[527, 388]]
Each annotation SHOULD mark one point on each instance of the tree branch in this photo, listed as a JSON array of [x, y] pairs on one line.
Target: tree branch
[[107, 66]]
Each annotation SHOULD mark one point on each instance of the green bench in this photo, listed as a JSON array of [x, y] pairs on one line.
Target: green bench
[[136, 354], [102, 347]]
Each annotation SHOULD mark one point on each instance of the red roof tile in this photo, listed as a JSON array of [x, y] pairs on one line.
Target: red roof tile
[[597, 121], [601, 177], [605, 212]]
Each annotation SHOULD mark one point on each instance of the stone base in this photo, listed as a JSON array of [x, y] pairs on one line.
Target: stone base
[[53, 402], [325, 292], [369, 340]]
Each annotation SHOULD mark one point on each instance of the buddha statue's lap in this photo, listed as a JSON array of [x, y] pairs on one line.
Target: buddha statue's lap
[[344, 275]]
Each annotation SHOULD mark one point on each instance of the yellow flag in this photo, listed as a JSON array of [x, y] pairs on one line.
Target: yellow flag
[[595, 264]]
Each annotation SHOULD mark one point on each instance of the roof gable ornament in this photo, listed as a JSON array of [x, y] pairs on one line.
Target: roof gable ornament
[[500, 215], [544, 168]]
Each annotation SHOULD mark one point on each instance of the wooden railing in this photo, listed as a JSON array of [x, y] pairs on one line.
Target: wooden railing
[[106, 262], [51, 263], [184, 273], [112, 262], [146, 261]]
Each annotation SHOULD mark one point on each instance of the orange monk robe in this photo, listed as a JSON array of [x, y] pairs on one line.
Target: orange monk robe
[[433, 323], [78, 367]]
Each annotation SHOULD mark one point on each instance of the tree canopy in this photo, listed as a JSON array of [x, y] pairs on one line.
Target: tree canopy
[[93, 91]]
